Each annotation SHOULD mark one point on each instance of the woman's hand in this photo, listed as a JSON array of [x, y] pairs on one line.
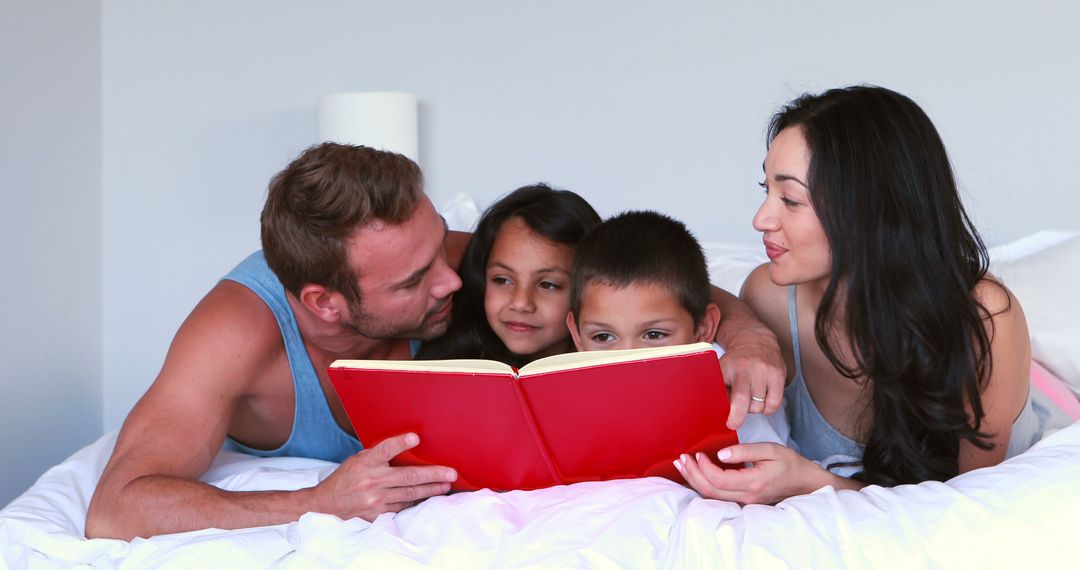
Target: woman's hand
[[776, 473]]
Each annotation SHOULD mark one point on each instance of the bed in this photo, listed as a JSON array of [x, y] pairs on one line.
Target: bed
[[1020, 513]]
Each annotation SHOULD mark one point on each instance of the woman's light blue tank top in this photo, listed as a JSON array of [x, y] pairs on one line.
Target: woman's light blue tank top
[[315, 433], [816, 439]]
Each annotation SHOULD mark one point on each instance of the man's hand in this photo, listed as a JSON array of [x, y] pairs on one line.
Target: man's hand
[[366, 486], [756, 373], [752, 363]]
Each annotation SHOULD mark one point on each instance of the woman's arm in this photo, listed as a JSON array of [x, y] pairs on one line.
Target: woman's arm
[[776, 472], [1006, 390]]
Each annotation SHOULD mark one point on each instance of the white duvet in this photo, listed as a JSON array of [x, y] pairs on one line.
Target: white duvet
[[1022, 513]]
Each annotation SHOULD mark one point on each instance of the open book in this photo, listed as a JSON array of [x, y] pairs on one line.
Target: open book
[[563, 419]]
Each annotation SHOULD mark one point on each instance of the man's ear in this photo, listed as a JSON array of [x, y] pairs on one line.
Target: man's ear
[[706, 327], [572, 325], [325, 304]]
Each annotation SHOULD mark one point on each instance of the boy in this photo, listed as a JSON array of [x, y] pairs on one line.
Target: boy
[[639, 279]]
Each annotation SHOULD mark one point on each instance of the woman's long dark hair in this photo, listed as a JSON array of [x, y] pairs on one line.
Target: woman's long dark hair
[[558, 215], [906, 259]]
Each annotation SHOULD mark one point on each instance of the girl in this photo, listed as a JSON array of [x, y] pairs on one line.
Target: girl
[[515, 276], [904, 355]]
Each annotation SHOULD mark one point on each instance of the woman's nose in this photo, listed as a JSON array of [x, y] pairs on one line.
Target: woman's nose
[[764, 220]]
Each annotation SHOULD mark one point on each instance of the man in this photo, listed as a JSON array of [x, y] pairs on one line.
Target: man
[[355, 264]]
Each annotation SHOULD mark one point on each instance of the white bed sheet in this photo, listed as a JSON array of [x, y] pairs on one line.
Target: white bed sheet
[[1020, 513]]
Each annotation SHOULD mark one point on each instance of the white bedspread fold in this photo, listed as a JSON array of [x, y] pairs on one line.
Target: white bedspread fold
[[1019, 513]]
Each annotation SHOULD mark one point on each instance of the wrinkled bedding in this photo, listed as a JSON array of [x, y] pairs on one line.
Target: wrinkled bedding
[[1022, 512]]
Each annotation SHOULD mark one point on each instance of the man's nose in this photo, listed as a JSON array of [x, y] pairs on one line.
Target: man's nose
[[449, 282]]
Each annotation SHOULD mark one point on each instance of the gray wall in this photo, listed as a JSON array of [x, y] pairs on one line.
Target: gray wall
[[632, 104], [139, 138], [50, 224]]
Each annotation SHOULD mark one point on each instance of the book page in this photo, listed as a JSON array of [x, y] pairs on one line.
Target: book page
[[601, 357], [474, 421], [463, 365], [632, 417]]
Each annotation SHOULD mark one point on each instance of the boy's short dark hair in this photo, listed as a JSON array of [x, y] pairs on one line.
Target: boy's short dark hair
[[642, 247]]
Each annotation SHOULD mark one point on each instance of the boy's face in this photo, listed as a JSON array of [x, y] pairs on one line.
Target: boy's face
[[636, 316]]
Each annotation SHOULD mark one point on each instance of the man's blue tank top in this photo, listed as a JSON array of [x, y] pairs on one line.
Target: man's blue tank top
[[315, 433]]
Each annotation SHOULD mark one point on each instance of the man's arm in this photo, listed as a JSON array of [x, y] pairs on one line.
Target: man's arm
[[752, 362], [172, 435], [455, 247]]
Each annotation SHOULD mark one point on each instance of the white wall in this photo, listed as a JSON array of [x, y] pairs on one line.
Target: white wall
[[50, 225], [632, 104]]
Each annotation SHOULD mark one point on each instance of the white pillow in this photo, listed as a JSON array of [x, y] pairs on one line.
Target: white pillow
[[1027, 245], [1045, 282], [730, 264], [461, 213]]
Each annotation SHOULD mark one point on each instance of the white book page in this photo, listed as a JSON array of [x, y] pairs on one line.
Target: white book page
[[463, 366]]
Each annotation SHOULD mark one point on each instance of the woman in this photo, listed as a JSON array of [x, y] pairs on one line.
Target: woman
[[906, 359]]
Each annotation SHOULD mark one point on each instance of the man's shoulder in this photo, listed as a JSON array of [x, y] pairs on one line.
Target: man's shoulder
[[234, 319], [234, 299]]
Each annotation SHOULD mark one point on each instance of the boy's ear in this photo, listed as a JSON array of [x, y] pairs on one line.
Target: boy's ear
[[706, 328], [325, 304], [572, 325]]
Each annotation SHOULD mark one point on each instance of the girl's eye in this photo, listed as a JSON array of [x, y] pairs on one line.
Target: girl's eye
[[764, 187], [602, 337], [789, 203], [655, 335], [550, 286], [499, 280]]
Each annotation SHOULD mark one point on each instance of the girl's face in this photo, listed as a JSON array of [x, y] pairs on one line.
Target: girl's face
[[527, 295], [794, 238]]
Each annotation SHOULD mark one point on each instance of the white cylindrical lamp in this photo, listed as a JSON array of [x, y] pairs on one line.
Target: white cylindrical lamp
[[382, 120]]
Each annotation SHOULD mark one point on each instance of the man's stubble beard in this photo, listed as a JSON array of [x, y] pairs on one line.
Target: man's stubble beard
[[381, 329]]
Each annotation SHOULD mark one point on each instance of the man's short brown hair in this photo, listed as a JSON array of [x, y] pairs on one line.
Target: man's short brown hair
[[321, 199]]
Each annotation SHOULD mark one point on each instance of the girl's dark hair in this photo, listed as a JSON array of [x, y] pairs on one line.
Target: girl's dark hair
[[905, 261], [558, 215]]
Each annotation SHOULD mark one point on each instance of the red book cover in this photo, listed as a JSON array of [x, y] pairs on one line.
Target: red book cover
[[586, 416]]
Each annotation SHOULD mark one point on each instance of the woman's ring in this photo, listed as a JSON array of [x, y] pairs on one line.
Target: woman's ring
[[756, 399]]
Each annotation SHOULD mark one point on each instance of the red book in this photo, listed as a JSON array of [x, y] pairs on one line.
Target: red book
[[584, 416]]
